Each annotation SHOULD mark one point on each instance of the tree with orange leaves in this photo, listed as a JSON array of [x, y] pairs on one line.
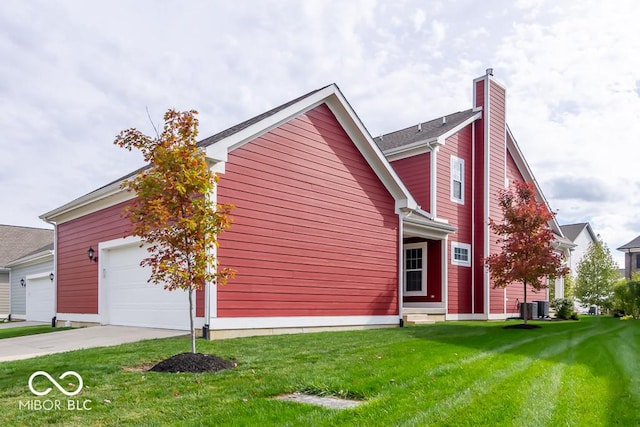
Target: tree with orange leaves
[[527, 255], [173, 212]]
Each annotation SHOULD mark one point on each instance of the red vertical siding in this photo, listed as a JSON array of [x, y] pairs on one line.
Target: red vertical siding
[[77, 277], [415, 173], [458, 215], [314, 229]]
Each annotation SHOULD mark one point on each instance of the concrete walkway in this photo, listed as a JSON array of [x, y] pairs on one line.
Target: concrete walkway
[[75, 339]]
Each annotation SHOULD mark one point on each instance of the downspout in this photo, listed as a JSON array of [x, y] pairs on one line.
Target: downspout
[[400, 268], [473, 219], [432, 180], [445, 274], [55, 272]]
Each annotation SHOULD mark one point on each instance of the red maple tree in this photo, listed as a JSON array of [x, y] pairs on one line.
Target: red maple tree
[[527, 255], [174, 213]]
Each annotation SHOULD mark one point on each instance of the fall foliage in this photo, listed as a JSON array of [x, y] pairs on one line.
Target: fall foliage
[[173, 212], [527, 255]]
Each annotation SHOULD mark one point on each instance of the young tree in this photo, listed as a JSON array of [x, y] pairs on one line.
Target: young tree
[[597, 274], [173, 213], [527, 255]]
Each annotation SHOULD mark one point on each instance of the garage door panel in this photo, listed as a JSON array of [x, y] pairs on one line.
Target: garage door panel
[[131, 301], [40, 294]]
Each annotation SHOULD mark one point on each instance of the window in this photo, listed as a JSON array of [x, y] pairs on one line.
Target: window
[[638, 261], [415, 269], [461, 254], [457, 179]]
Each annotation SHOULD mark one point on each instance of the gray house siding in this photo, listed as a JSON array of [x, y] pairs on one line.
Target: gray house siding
[[18, 293]]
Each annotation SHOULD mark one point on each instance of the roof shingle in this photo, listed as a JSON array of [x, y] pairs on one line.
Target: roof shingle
[[424, 131], [634, 244], [16, 242]]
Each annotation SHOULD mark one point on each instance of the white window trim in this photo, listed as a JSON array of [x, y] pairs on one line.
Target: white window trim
[[423, 246], [453, 162], [458, 245]]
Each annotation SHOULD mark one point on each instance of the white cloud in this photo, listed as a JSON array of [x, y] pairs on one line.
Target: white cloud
[[418, 19]]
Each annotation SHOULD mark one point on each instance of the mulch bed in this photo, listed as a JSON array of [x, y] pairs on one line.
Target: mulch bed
[[522, 326], [193, 362]]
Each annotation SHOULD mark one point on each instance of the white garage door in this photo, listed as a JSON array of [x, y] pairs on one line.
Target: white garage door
[[40, 297], [131, 301]]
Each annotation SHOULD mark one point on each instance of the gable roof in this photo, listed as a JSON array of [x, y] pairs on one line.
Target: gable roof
[[219, 145], [572, 231], [16, 241], [254, 120], [38, 254], [634, 244], [425, 131]]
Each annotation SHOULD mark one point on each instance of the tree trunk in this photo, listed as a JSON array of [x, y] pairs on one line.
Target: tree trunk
[[193, 332], [526, 307]]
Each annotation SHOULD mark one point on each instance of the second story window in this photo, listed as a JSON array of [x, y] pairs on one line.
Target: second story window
[[457, 179]]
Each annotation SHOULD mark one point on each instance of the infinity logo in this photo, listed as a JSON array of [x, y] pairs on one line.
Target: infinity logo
[[55, 383]]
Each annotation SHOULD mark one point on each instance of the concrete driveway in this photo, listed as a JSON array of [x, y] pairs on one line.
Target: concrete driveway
[[75, 339]]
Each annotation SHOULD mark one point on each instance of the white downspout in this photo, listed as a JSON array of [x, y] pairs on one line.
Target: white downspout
[[400, 266], [445, 275], [473, 219], [432, 181]]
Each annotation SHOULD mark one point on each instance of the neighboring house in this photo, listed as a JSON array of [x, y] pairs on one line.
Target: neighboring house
[[16, 242], [581, 235], [325, 231], [32, 289], [631, 257]]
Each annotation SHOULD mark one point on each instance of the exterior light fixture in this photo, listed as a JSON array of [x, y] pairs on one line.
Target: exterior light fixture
[[92, 254], [23, 283], [51, 276]]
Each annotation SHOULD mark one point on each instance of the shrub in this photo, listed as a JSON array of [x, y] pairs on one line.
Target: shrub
[[627, 297], [627, 317], [574, 316], [563, 308]]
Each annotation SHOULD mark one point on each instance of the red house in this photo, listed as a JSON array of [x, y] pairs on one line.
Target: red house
[[455, 166], [331, 228]]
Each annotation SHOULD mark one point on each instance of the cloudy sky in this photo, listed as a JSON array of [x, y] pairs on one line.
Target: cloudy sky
[[75, 73]]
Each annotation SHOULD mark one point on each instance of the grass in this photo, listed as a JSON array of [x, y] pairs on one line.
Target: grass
[[462, 373], [22, 331]]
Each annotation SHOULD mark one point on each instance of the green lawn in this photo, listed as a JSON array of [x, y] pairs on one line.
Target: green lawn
[[27, 330], [462, 373]]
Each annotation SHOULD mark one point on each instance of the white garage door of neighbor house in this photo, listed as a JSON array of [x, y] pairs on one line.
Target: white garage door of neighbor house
[[40, 299], [131, 301]]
